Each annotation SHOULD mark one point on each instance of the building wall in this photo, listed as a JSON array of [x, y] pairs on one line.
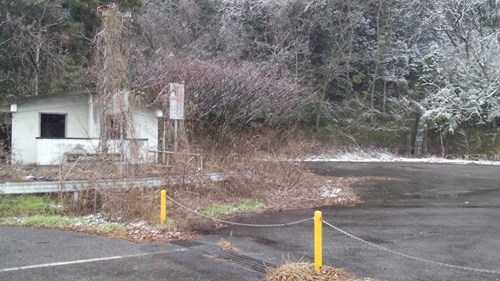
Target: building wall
[[26, 123], [145, 126]]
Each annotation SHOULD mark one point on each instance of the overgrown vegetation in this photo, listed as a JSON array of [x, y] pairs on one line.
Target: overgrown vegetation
[[273, 186], [42, 211], [328, 66], [264, 78]]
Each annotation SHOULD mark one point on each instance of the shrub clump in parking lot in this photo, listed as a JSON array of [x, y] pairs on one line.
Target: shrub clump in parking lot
[[306, 272]]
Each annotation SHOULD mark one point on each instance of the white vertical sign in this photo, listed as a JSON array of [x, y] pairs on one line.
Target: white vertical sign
[[176, 101]]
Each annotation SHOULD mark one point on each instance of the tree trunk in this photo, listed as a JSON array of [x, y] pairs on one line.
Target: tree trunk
[[419, 137], [38, 46], [442, 142], [377, 65]]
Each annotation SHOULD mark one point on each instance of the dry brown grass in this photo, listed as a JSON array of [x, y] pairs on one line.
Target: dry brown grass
[[281, 185], [305, 272], [226, 245], [289, 185]]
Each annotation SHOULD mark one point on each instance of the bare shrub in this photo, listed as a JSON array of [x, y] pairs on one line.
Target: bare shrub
[[4, 162], [86, 203], [129, 204], [223, 99], [305, 271]]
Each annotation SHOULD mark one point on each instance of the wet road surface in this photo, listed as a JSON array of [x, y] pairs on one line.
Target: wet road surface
[[445, 213], [44, 254]]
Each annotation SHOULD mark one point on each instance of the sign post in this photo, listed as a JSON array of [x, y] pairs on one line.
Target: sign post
[[176, 109]]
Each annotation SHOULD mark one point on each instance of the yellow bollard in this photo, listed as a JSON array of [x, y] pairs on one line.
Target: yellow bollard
[[163, 207], [318, 241]]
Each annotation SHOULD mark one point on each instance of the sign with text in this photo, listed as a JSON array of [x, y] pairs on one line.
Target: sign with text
[[176, 101]]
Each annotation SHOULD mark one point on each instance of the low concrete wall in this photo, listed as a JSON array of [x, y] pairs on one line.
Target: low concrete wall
[[51, 151]]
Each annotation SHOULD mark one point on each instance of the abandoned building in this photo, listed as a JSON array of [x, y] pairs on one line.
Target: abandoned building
[[52, 129]]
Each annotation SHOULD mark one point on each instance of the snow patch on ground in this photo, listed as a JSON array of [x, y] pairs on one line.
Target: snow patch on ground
[[384, 156], [330, 192]]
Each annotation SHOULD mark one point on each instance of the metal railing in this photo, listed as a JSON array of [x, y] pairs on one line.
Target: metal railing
[[171, 158]]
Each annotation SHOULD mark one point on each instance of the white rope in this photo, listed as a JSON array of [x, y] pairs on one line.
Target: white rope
[[412, 257], [345, 233], [237, 223]]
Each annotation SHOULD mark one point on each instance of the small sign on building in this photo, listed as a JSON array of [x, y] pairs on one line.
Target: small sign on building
[[176, 101]]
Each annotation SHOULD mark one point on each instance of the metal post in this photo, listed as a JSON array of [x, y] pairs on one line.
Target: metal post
[[176, 135], [318, 241], [122, 144], [95, 201], [163, 207], [164, 143], [201, 163]]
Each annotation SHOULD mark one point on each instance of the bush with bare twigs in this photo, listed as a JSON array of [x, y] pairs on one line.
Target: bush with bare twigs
[[305, 272], [224, 99]]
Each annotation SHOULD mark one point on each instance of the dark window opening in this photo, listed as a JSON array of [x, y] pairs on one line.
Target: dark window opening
[[53, 126]]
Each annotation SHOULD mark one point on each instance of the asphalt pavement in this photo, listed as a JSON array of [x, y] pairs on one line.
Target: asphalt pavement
[[434, 213], [440, 213], [42, 254]]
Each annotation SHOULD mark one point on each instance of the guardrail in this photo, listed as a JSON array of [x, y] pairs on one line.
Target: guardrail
[[27, 187], [163, 158]]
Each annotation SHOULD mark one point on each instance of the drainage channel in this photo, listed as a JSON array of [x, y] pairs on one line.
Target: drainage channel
[[214, 251]]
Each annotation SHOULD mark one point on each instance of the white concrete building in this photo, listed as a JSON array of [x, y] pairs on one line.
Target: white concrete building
[[48, 130]]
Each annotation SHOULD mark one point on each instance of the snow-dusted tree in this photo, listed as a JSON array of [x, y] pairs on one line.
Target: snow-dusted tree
[[461, 76], [367, 62]]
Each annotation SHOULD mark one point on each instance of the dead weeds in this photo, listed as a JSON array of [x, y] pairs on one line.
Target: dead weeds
[[280, 185], [226, 245], [306, 272]]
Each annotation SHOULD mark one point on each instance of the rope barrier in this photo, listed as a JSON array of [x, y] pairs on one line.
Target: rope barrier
[[343, 232], [237, 223], [411, 257]]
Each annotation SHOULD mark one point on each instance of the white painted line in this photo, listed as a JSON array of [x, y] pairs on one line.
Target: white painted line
[[87, 260]]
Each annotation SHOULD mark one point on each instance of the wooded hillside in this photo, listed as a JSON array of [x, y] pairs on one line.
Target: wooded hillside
[[368, 72]]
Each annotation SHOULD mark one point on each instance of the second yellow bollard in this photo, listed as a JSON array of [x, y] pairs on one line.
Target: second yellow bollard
[[318, 241], [163, 207]]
